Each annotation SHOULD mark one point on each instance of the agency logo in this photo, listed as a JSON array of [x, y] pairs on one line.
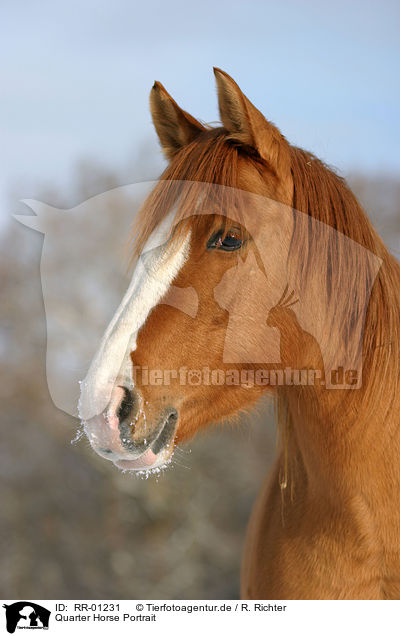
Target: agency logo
[[26, 615], [278, 303]]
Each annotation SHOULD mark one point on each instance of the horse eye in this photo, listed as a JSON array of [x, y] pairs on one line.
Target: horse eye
[[228, 242]]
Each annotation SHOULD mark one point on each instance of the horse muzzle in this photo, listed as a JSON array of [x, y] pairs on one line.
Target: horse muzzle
[[123, 434]]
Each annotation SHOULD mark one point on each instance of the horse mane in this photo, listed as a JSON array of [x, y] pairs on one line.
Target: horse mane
[[324, 196]]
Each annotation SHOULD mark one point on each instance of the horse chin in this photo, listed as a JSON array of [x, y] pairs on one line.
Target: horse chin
[[148, 462]]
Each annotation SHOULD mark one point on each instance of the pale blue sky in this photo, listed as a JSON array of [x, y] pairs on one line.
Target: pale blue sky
[[75, 77]]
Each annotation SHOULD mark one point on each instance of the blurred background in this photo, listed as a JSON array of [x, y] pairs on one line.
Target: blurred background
[[74, 122]]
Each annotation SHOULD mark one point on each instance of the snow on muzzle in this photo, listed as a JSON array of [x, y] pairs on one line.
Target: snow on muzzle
[[122, 434]]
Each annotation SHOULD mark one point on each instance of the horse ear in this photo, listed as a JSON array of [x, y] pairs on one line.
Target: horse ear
[[248, 126], [175, 127]]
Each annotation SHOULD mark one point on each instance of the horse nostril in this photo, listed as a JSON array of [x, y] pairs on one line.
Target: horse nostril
[[126, 405], [167, 431]]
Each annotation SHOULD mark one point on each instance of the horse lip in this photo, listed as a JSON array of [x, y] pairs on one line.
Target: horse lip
[[158, 437], [146, 460], [163, 438]]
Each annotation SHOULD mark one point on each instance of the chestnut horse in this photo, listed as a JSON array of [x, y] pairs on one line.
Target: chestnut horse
[[253, 252]]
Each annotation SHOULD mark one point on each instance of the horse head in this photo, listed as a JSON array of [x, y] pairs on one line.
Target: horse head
[[224, 205]]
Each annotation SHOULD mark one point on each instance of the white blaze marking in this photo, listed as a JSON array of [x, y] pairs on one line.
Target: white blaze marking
[[154, 272]]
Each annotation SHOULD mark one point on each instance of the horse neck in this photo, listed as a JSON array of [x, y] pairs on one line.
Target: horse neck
[[346, 439]]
